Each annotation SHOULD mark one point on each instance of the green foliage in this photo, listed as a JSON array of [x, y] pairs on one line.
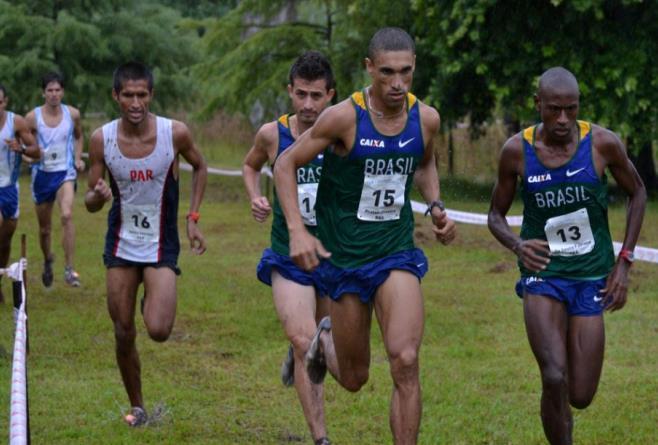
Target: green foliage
[[493, 52], [249, 51], [80, 40]]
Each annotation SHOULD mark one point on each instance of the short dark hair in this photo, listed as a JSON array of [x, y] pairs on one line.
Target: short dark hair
[[3, 89], [52, 77], [312, 65], [131, 71], [390, 39]]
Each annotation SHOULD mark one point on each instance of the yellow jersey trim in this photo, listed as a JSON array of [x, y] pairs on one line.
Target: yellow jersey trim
[[283, 120]]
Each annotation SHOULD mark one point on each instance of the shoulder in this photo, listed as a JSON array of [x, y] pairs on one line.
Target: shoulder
[[339, 116], [75, 113], [429, 116], [513, 147], [31, 115], [267, 135], [97, 136], [18, 119], [180, 132], [605, 140]]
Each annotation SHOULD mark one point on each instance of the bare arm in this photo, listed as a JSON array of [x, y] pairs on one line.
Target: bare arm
[[264, 149], [613, 153], [333, 125], [79, 139], [98, 191], [533, 253], [184, 145], [426, 177], [23, 135]]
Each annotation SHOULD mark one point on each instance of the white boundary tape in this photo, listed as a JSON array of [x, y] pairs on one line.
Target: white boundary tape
[[18, 433], [641, 253]]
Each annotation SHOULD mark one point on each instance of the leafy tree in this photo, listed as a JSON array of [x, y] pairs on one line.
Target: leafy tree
[[80, 40], [491, 53], [249, 51]]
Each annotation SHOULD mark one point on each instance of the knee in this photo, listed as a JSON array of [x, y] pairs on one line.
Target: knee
[[580, 401], [66, 217], [404, 366], [44, 230], [300, 344], [355, 378], [159, 333], [124, 335], [554, 378]]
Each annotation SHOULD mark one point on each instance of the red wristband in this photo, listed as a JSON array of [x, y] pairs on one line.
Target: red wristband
[[194, 216], [627, 255]]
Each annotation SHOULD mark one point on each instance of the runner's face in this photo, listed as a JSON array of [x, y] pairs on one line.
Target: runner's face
[[134, 100], [53, 93], [392, 73], [558, 109], [309, 98]]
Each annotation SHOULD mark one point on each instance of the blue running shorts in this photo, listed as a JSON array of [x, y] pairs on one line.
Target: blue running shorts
[[581, 297], [288, 270], [364, 280], [46, 184], [9, 202], [115, 261]]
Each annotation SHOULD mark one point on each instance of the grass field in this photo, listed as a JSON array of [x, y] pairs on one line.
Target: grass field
[[216, 380]]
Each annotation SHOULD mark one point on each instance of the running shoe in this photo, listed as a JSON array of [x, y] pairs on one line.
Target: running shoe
[[288, 368], [316, 365], [136, 417], [322, 441], [47, 276], [71, 277]]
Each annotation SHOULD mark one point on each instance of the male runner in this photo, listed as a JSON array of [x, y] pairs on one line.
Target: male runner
[[380, 141], [296, 292], [15, 141], [569, 275], [59, 134], [140, 152]]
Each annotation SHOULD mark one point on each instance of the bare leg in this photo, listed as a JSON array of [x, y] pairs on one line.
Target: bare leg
[[7, 228], [347, 346], [65, 196], [295, 306], [44, 218], [122, 283], [399, 310], [586, 345], [160, 302], [546, 326]]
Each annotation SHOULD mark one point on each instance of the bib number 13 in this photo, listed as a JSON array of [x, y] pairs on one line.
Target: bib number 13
[[569, 234]]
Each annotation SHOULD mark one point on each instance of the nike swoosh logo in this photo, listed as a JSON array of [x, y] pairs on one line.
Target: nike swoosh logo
[[597, 299], [402, 144], [571, 173], [420, 265]]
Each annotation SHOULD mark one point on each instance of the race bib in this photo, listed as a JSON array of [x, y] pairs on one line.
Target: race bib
[[140, 223], [5, 171], [54, 159], [382, 197], [306, 194], [570, 234]]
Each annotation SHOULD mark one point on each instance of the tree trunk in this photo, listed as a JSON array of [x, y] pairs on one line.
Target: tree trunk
[[646, 167]]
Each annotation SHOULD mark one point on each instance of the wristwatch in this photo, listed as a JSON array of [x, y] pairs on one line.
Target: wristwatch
[[23, 148], [627, 255], [438, 203]]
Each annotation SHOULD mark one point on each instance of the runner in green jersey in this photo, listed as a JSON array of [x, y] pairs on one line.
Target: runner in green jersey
[[568, 271], [298, 294], [380, 142]]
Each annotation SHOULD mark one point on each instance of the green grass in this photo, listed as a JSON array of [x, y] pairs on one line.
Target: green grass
[[217, 377]]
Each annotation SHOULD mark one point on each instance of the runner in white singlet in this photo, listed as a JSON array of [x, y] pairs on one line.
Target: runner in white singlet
[[15, 140], [140, 152], [58, 131]]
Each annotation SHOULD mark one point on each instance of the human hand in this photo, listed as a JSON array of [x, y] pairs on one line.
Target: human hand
[[260, 208], [80, 165], [615, 292], [444, 228], [534, 254], [306, 250], [197, 242]]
